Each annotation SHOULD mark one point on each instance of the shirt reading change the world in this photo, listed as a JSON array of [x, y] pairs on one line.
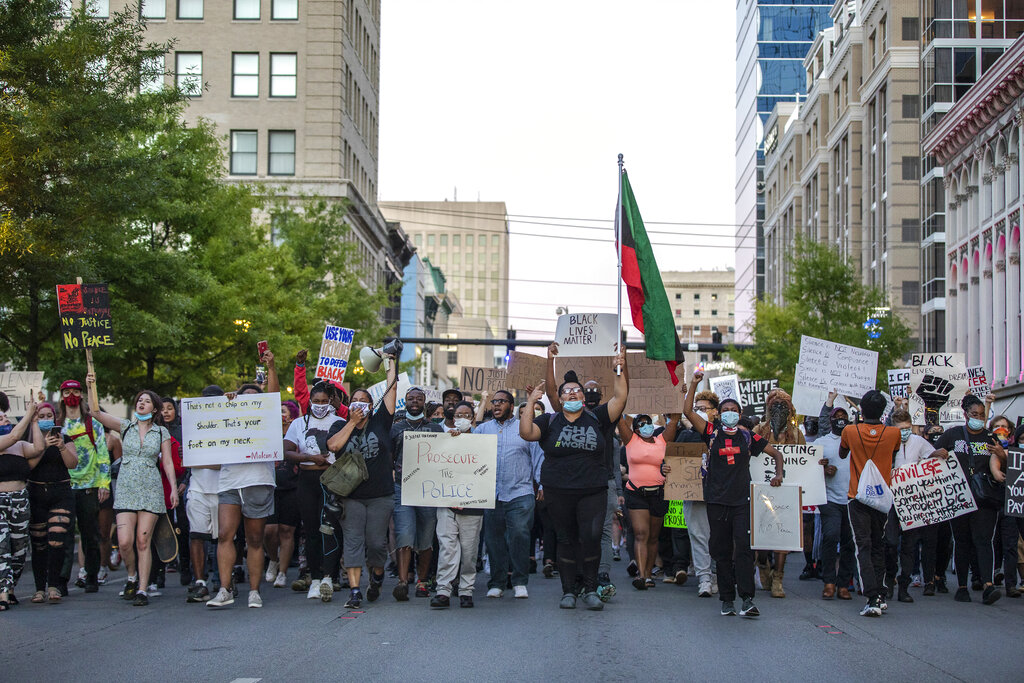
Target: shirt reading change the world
[[574, 452]]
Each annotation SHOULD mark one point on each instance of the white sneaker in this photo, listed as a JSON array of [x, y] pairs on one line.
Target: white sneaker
[[271, 571], [495, 593], [326, 589], [101, 576], [314, 590], [704, 590], [153, 591], [222, 599], [254, 599], [281, 581], [520, 592]]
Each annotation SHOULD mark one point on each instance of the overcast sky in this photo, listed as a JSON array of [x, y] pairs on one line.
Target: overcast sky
[[530, 102]]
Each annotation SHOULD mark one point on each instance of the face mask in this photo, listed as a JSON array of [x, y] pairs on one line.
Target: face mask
[[449, 413], [976, 425], [934, 438], [905, 434], [365, 407], [143, 417], [5, 429], [45, 425], [463, 425], [415, 417], [730, 418], [646, 431], [778, 417], [572, 406], [437, 420], [703, 415], [591, 398], [838, 426], [72, 401], [320, 410]]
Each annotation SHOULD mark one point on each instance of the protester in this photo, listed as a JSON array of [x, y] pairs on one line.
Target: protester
[[179, 518], [449, 399], [695, 512], [837, 566], [1011, 528], [279, 534], [301, 388], [18, 447], [110, 556], [201, 508], [575, 476], [727, 495]]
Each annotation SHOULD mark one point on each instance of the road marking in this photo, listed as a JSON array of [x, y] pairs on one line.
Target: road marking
[[247, 680]]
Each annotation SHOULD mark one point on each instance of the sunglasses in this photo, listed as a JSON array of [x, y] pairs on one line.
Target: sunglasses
[[567, 392]]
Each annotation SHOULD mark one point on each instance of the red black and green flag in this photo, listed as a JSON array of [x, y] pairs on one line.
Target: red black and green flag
[[648, 302]]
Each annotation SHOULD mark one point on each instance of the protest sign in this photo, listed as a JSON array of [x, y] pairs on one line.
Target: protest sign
[[938, 382], [725, 386], [753, 394], [525, 369], [19, 386], [930, 491], [674, 518], [683, 482], [826, 366], [651, 391], [85, 321], [977, 381], [441, 470], [899, 383], [776, 522], [479, 380], [376, 391], [1014, 482], [800, 466], [216, 431], [587, 334], [334, 350]]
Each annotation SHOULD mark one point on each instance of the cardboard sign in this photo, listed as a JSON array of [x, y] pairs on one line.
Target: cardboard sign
[[899, 383], [587, 334], [800, 466], [216, 431], [753, 394], [725, 386], [776, 521], [441, 470], [19, 386], [651, 391], [1014, 482], [977, 382], [85, 321], [479, 380], [525, 369], [938, 382], [334, 350], [930, 491], [674, 518], [826, 365], [684, 482]]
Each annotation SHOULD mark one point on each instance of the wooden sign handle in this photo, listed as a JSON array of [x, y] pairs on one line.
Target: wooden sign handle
[[94, 399]]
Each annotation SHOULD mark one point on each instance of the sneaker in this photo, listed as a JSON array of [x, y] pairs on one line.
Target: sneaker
[[198, 592], [302, 583], [549, 570], [669, 578], [421, 589], [592, 602], [154, 590], [115, 558], [940, 586], [962, 594], [929, 589], [975, 585], [80, 581], [639, 583], [314, 589], [466, 601], [373, 592], [656, 570], [140, 599], [339, 585], [355, 599], [616, 555], [440, 601], [131, 586], [568, 601], [255, 600], [749, 609], [681, 577], [871, 609], [990, 595], [521, 592], [101, 577], [495, 593], [704, 590], [605, 591], [728, 609], [1012, 592], [90, 587], [632, 569], [326, 590], [883, 605], [916, 581], [222, 599], [401, 592], [272, 568], [281, 581]]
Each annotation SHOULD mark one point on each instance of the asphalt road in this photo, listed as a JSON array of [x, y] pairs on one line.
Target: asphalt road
[[663, 634]]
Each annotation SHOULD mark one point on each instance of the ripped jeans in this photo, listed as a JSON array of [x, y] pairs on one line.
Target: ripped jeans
[[51, 529]]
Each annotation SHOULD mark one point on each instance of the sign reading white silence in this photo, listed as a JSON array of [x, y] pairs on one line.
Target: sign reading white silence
[[800, 466], [587, 334], [216, 431], [930, 491], [441, 470], [19, 386]]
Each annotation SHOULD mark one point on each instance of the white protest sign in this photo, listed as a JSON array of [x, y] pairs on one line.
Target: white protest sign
[[809, 400], [899, 383], [930, 491], [441, 470], [938, 382], [800, 467], [587, 334], [216, 431], [977, 381], [826, 365], [725, 386], [19, 386], [376, 391], [334, 350], [776, 522]]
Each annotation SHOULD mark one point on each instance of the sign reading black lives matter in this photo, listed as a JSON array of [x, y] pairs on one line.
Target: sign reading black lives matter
[[85, 321]]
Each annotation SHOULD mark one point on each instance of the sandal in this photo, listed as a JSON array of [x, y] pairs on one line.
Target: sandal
[[53, 595], [39, 597]]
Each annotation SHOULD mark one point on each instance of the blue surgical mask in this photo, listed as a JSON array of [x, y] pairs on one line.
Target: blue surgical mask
[[142, 417], [572, 406], [975, 425], [905, 434], [646, 431], [730, 418], [414, 416], [5, 429], [45, 425]]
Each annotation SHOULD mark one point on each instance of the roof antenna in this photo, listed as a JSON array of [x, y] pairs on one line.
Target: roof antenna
[[456, 197]]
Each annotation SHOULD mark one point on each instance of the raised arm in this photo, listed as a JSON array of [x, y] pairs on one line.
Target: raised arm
[[482, 408], [777, 457], [549, 378], [696, 420], [671, 426], [105, 419], [391, 395], [528, 430], [19, 431], [624, 429], [620, 387], [273, 385], [300, 388]]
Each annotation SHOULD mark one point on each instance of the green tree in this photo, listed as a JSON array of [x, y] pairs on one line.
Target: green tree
[[824, 298]]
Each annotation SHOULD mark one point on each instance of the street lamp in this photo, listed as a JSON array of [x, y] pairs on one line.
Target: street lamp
[[562, 310]]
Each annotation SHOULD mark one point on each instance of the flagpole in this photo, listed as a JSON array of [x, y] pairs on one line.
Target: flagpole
[[618, 239]]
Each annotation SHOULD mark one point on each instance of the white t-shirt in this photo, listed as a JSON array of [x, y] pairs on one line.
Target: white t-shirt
[[204, 481], [311, 436], [244, 474], [914, 450]]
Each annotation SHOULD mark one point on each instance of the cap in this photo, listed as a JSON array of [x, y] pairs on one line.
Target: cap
[[457, 393], [212, 390], [70, 384]]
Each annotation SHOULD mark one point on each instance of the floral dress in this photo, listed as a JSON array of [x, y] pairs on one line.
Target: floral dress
[[138, 483]]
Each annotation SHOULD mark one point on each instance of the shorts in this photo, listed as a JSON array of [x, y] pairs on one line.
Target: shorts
[[201, 509], [653, 502], [286, 508], [414, 526], [257, 501]]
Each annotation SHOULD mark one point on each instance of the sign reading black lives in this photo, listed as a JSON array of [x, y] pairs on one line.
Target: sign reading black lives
[[85, 321]]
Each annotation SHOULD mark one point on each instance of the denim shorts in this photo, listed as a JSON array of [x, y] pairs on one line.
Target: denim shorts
[[414, 526]]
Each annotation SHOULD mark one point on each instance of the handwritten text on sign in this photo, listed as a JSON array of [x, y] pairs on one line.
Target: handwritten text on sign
[[479, 380], [19, 386], [683, 482], [899, 383], [1014, 482], [650, 387], [525, 369], [776, 522], [828, 365], [85, 321], [587, 334], [334, 350], [441, 470], [930, 491], [938, 382], [675, 518], [800, 466], [216, 431]]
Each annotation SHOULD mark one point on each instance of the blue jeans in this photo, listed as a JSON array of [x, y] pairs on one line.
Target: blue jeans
[[836, 533], [507, 535], [414, 526]]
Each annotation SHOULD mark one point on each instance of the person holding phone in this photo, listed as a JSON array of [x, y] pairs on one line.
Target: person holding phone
[[16, 453]]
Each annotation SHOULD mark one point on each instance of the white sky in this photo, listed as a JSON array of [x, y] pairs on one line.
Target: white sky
[[530, 102]]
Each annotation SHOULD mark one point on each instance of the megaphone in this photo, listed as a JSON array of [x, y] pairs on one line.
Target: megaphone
[[371, 358]]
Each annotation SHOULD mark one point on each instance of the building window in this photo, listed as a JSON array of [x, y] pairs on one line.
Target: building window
[[456, 240], [418, 239], [714, 297], [696, 312], [247, 9], [431, 240], [678, 296], [679, 328], [453, 357], [696, 297], [188, 69], [911, 168], [731, 329], [469, 243], [444, 240], [153, 9], [284, 9], [245, 74], [679, 312], [190, 9], [283, 74], [696, 328], [152, 75], [282, 152], [714, 311], [98, 8], [243, 152], [494, 240]]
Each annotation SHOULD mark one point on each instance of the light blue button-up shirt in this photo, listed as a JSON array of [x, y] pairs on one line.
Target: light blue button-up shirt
[[518, 460]]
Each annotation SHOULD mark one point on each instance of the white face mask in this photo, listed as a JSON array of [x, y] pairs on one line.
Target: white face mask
[[320, 410], [462, 424], [359, 404], [703, 415]]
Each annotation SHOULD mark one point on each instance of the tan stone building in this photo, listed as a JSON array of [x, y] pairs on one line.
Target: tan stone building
[[702, 301]]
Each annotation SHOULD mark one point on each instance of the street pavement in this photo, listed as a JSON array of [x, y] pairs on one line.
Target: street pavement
[[667, 633]]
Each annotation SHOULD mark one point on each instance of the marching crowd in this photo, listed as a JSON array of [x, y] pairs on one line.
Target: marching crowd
[[573, 486]]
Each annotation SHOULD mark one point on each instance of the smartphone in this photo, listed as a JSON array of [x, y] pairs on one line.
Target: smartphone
[[261, 348], [55, 431]]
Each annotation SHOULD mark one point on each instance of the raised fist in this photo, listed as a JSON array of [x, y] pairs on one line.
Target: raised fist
[[934, 391]]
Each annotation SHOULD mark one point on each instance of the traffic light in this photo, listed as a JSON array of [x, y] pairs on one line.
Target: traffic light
[[716, 338], [511, 345]]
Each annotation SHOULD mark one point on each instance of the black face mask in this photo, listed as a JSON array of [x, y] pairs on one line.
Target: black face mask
[[591, 398], [934, 438], [838, 426], [778, 417], [449, 413]]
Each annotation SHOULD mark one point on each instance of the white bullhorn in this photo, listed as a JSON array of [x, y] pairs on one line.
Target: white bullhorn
[[371, 358]]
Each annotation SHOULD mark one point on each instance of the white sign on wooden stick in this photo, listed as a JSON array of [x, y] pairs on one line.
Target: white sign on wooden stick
[[587, 334]]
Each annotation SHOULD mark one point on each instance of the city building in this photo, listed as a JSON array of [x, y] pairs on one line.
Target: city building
[[468, 241], [702, 304], [960, 41], [978, 144], [841, 167], [772, 39]]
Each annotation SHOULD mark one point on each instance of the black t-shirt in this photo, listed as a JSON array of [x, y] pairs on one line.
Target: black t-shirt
[[971, 449], [398, 439], [286, 474], [728, 479], [574, 452], [51, 468], [375, 445]]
